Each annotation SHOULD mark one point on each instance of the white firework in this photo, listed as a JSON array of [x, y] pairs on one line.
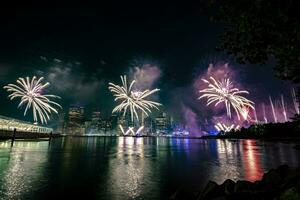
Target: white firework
[[130, 130], [31, 94], [226, 128], [295, 101], [133, 100], [223, 92]]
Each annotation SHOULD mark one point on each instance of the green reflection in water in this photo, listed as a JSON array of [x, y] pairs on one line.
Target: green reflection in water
[[21, 168]]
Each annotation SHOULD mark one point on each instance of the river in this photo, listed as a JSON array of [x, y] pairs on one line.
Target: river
[[132, 168]]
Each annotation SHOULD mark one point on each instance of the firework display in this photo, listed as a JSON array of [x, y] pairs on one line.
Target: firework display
[[295, 101], [226, 128], [132, 100], [130, 130], [273, 109], [283, 105], [224, 92], [31, 94]]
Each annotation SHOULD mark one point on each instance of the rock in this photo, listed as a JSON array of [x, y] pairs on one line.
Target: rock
[[297, 147], [211, 191], [228, 186], [271, 179], [174, 195], [282, 170], [182, 194], [281, 183], [291, 179], [290, 194], [244, 186]]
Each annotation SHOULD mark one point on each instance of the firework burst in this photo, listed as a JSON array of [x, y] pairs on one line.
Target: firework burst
[[31, 94], [130, 130], [133, 100], [224, 92], [226, 128]]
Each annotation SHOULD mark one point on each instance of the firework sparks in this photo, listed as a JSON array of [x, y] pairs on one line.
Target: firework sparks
[[273, 109], [245, 112], [31, 94], [295, 101], [264, 113], [223, 92], [255, 116], [283, 105], [226, 128], [133, 100], [131, 130]]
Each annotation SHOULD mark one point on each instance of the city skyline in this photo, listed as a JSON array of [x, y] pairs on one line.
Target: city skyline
[[150, 100]]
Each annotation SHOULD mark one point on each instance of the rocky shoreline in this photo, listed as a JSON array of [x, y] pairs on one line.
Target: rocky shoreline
[[282, 183]]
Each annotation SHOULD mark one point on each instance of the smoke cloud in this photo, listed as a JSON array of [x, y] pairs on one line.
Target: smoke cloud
[[66, 78], [145, 73]]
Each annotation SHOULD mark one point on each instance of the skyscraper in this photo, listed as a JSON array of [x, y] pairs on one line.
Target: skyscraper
[[96, 120], [61, 123], [76, 120], [162, 123]]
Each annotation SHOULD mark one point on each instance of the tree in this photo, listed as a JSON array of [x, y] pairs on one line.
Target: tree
[[259, 30]]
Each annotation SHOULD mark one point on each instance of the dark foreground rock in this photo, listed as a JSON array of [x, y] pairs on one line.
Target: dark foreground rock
[[281, 183], [297, 147]]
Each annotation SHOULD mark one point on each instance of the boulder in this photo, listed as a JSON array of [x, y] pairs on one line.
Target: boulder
[[271, 179], [297, 147], [245, 186], [212, 190], [228, 186], [292, 178], [290, 194], [282, 170]]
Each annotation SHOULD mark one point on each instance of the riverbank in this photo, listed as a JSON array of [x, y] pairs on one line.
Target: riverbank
[[273, 131], [281, 183]]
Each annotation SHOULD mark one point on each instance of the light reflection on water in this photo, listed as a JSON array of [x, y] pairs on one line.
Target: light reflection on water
[[21, 168], [131, 168]]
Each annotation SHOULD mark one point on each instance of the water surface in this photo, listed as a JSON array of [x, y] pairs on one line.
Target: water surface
[[131, 168]]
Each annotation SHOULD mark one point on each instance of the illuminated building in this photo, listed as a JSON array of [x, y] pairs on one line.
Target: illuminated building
[[76, 120], [61, 123], [87, 126], [149, 125], [96, 118], [162, 123], [76, 114], [95, 122], [121, 122], [109, 123], [9, 124]]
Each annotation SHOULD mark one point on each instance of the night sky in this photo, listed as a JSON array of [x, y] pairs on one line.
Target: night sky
[[90, 45]]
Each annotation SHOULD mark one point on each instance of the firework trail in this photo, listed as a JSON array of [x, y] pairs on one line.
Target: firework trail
[[273, 109], [132, 100], [245, 113], [255, 116], [283, 108], [295, 101], [31, 94], [223, 92], [264, 113]]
